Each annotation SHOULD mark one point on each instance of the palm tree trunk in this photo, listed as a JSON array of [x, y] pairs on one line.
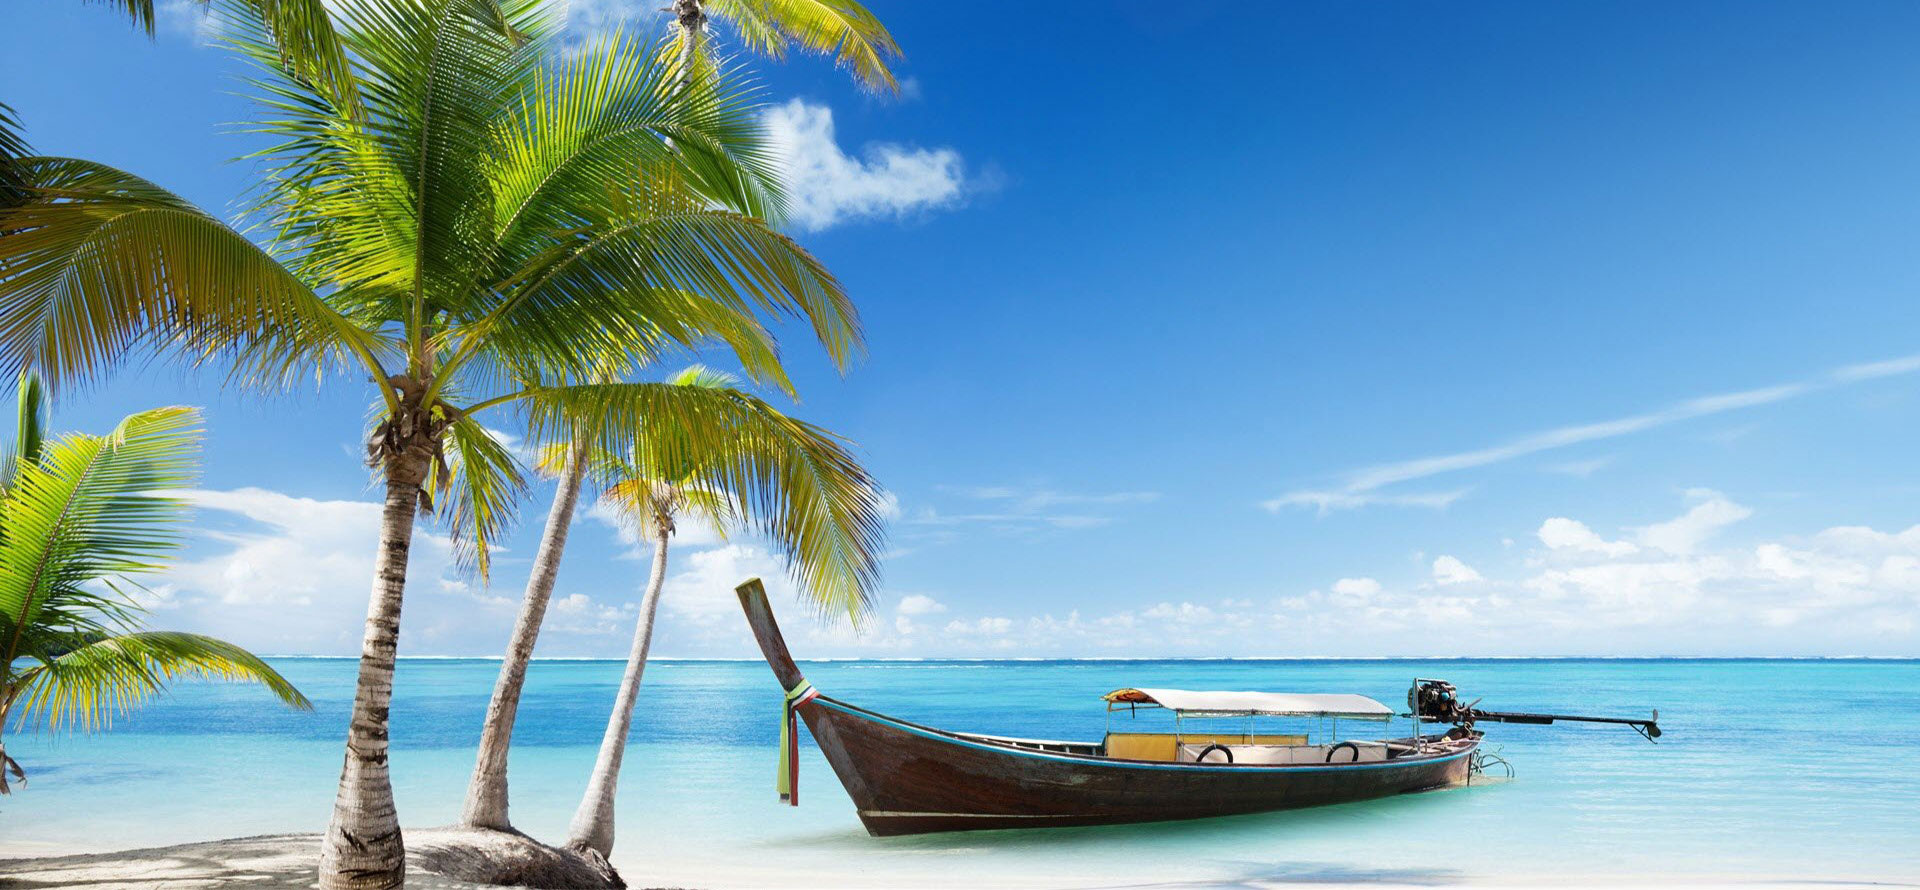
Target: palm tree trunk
[[690, 18], [487, 791], [363, 849], [592, 827]]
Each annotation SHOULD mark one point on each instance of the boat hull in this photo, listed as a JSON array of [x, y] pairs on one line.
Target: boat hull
[[909, 779]]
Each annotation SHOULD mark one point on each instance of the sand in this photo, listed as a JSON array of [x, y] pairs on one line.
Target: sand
[[273, 862], [270, 862]]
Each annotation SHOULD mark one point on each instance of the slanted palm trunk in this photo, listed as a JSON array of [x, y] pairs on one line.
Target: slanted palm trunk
[[487, 792], [691, 19], [363, 850], [592, 827]]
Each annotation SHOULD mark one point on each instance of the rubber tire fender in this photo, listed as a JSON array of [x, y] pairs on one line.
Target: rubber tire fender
[[1202, 756]]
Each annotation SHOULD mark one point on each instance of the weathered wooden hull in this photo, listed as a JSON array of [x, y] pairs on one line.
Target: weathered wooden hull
[[909, 779]]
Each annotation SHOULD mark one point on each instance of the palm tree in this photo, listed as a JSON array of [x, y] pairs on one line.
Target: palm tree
[[80, 519], [843, 28], [305, 35], [787, 479], [862, 43], [483, 231]]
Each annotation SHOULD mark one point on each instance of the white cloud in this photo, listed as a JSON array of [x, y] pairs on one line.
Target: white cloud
[[1680, 591], [1683, 533], [1184, 613], [1362, 487], [920, 604], [1329, 501], [1561, 533], [1450, 570], [291, 574], [686, 534], [1024, 507], [1356, 586], [700, 583], [828, 186]]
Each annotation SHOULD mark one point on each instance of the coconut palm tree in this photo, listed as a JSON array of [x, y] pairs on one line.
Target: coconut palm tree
[[842, 28], [304, 33], [786, 479], [491, 226], [862, 43], [81, 518]]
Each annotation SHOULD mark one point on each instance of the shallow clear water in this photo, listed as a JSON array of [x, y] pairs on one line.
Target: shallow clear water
[[1795, 769]]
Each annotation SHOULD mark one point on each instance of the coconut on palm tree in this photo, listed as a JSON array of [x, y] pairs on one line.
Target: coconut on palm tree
[[789, 481], [483, 229], [82, 518]]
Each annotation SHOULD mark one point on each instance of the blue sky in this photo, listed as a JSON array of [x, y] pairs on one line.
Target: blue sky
[[1260, 330]]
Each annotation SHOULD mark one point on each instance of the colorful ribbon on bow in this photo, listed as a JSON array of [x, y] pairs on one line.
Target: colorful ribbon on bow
[[788, 781]]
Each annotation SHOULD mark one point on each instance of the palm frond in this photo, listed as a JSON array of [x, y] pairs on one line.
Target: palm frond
[[90, 685], [90, 509], [792, 481], [141, 11], [435, 79], [483, 483], [739, 262], [843, 29], [13, 150], [601, 120], [30, 428], [98, 260]]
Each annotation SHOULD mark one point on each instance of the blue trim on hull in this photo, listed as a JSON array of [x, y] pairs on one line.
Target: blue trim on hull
[[954, 739]]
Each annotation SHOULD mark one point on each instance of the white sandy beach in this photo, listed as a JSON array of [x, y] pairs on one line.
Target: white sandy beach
[[287, 861]]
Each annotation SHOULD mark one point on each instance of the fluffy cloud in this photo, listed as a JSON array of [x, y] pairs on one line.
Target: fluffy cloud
[[1356, 587], [1561, 533], [1450, 570], [282, 573], [920, 604], [828, 186], [1674, 588], [1683, 533]]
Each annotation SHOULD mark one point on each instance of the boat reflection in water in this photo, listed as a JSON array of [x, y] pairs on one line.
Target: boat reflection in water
[[911, 779]]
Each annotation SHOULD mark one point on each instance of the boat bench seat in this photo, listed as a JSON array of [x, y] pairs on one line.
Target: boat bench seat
[[1369, 752], [1165, 747]]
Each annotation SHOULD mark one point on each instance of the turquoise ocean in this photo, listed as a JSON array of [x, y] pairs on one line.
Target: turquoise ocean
[[1801, 770]]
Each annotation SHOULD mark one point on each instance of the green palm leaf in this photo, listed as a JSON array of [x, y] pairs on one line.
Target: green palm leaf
[[796, 483], [843, 29], [13, 149], [89, 510], [98, 260], [484, 482], [88, 686]]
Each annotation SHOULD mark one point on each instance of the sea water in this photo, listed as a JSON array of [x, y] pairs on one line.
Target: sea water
[[1806, 770]]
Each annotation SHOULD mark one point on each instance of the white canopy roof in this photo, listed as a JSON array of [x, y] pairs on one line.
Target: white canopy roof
[[1269, 704]]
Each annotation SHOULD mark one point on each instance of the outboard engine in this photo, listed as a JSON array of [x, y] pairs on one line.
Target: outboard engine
[[1436, 701]]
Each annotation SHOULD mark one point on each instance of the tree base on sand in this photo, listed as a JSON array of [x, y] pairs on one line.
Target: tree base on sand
[[486, 856]]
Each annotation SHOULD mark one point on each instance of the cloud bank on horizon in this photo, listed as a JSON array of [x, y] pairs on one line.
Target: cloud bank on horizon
[[293, 580]]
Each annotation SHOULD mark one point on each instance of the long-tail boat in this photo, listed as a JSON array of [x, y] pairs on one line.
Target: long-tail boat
[[905, 778]]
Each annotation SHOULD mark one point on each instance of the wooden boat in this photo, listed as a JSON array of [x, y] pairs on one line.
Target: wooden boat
[[905, 778]]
